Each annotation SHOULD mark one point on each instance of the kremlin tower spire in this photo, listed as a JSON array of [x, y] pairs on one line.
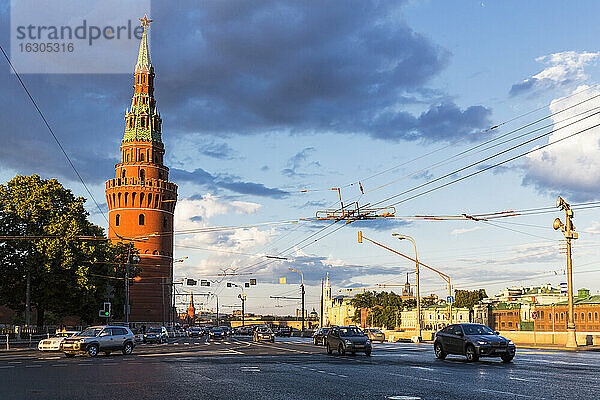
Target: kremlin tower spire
[[141, 200]]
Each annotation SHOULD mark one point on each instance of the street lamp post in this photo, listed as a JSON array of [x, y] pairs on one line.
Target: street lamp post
[[242, 297], [441, 274], [419, 319], [568, 229], [302, 290]]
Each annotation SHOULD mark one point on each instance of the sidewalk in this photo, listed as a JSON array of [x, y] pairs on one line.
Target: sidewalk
[[556, 347]]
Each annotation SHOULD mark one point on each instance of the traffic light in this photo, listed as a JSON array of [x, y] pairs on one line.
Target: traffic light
[[228, 284], [105, 312], [253, 282], [246, 284]]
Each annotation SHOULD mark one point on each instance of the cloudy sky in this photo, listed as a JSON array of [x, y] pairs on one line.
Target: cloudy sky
[[264, 99]]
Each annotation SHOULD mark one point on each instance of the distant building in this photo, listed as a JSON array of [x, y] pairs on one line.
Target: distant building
[[433, 317], [545, 294], [407, 292], [341, 311], [506, 317], [191, 311], [554, 317]]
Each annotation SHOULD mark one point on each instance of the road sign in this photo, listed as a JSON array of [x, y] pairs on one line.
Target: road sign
[[191, 282], [534, 315], [253, 282], [282, 281], [563, 287], [450, 299], [204, 282]]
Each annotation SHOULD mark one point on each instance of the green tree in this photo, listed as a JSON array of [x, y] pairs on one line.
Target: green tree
[[383, 307], [468, 298], [68, 273]]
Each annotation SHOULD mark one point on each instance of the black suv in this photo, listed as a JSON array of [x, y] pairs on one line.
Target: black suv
[[347, 338], [473, 341]]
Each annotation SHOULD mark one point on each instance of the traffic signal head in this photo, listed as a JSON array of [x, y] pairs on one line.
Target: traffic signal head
[[228, 284], [247, 284], [253, 282]]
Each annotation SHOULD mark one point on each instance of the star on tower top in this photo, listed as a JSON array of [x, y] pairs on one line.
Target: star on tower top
[[145, 21]]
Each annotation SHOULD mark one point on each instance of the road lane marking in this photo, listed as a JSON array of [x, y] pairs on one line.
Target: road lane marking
[[404, 398], [7, 366], [507, 393]]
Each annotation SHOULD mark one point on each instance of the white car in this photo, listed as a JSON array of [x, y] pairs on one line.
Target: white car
[[53, 343]]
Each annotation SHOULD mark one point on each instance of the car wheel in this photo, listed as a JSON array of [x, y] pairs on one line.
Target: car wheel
[[471, 353], [92, 350], [329, 350], [368, 352], [507, 358], [341, 350], [69, 355], [107, 353], [127, 349], [439, 351]]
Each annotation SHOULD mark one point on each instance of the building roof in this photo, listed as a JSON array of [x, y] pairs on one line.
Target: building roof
[[590, 300]]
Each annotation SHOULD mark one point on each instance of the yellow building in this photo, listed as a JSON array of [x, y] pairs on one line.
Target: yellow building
[[433, 318], [340, 311]]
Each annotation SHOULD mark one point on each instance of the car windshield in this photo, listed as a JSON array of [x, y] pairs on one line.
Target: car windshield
[[264, 330], [477, 330], [351, 331], [216, 330], [91, 332], [154, 330], [63, 334]]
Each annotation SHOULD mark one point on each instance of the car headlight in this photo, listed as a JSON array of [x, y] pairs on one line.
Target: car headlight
[[482, 343], [511, 342], [348, 341], [368, 341]]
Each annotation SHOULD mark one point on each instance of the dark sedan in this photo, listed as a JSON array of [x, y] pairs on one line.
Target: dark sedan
[[347, 339], [284, 331], [217, 333], [472, 341], [195, 332], [320, 335]]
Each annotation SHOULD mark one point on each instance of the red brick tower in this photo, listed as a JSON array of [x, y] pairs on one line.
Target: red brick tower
[[141, 200]]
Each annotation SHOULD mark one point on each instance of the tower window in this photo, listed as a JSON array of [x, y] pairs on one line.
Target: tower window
[[141, 156], [165, 223], [141, 219], [117, 220], [142, 174], [123, 173]]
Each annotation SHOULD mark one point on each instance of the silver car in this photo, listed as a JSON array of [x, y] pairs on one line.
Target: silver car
[[97, 339]]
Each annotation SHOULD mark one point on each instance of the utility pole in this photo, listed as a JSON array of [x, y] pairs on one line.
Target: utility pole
[[568, 229], [302, 291], [28, 299], [321, 314], [241, 296], [127, 284], [419, 319]]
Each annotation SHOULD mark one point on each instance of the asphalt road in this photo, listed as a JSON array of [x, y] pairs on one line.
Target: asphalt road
[[292, 368]]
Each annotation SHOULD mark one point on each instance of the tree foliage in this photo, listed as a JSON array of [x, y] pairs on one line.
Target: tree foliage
[[468, 298], [383, 307], [67, 273]]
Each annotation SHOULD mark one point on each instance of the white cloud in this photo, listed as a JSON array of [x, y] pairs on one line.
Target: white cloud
[[465, 230], [571, 167], [568, 65], [562, 69]]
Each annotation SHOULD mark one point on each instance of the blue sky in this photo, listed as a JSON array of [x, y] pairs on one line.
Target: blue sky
[[264, 97]]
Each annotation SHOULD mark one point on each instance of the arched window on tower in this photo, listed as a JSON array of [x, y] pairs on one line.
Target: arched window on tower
[[149, 199], [126, 196], [142, 174], [123, 173], [142, 200], [119, 199], [127, 157], [141, 156], [133, 199], [117, 220], [141, 219], [165, 223]]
